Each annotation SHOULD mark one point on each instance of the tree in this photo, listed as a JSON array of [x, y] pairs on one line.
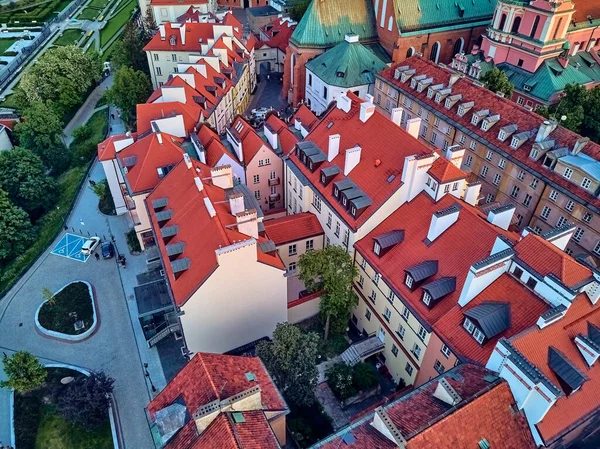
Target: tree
[[63, 75], [332, 271], [16, 232], [23, 176], [291, 358], [298, 9], [24, 372], [339, 379], [41, 131], [150, 26], [570, 110], [130, 87], [129, 50], [85, 401], [497, 81]]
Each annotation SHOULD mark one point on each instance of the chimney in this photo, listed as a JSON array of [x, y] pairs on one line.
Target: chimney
[[222, 176], [344, 103], [413, 126], [159, 138], [581, 142], [382, 423], [199, 184], [209, 207], [247, 222], [483, 273], [162, 31], [396, 116], [188, 160], [236, 203], [351, 38], [271, 136], [182, 34], [445, 393], [545, 129], [352, 159], [442, 220], [472, 193], [453, 79], [501, 216], [334, 147], [455, 154], [588, 348], [367, 109]]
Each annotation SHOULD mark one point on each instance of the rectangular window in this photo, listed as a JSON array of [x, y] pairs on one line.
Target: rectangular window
[[422, 332], [545, 212], [570, 205], [373, 296], [387, 314], [416, 350], [489, 198], [292, 250], [578, 234], [368, 315], [329, 217], [376, 278], [597, 248], [439, 367], [446, 351], [484, 171], [462, 139], [257, 194], [567, 173], [391, 297], [361, 280], [256, 179], [337, 229], [292, 268], [561, 221], [433, 138], [586, 183], [346, 239], [468, 325], [534, 183], [553, 195], [310, 244], [472, 145], [158, 71], [424, 131], [489, 155], [174, 57], [395, 350], [518, 272], [502, 163], [405, 313], [521, 175], [408, 281], [478, 335], [468, 160], [515, 191], [587, 217], [401, 331], [531, 283], [325, 92], [317, 202], [436, 122], [497, 179], [310, 79], [408, 369], [155, 56], [273, 190], [527, 200]]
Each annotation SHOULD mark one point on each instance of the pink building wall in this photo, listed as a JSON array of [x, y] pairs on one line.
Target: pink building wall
[[264, 172], [433, 353]]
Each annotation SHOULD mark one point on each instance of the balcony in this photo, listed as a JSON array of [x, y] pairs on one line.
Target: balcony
[[274, 182], [273, 198]]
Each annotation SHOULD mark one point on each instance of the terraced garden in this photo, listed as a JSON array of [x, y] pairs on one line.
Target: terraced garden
[[117, 21], [69, 37]]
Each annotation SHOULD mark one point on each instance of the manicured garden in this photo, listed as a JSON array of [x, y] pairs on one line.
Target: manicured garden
[[31, 11], [89, 13], [69, 37], [117, 21], [6, 43], [62, 310]]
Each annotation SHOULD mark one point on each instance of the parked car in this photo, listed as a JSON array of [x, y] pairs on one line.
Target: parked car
[[108, 250], [90, 245], [260, 112]]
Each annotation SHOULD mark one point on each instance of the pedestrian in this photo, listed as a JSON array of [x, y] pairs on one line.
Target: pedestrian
[[112, 116], [97, 256]]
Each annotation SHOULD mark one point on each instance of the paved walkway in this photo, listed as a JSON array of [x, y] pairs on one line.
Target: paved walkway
[[330, 404]]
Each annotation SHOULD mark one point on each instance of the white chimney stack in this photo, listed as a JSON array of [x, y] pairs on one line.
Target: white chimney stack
[[188, 160], [545, 129], [199, 184], [334, 147], [159, 138], [271, 136], [162, 31], [441, 221], [222, 176], [367, 109], [182, 34], [472, 193], [236, 203], [413, 126], [352, 159], [247, 222], [344, 103], [396, 116], [502, 216]]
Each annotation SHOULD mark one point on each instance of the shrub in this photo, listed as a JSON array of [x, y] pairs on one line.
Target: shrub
[[28, 409], [24, 371], [75, 297], [364, 376], [133, 242], [339, 379]]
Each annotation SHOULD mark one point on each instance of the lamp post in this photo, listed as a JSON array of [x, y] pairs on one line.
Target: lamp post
[[147, 374]]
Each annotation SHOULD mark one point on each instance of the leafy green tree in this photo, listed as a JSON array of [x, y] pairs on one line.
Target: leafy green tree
[[570, 111], [364, 376], [331, 270], [591, 122], [24, 372], [16, 232], [298, 9], [63, 75], [150, 26], [129, 50], [497, 81], [130, 87], [41, 131], [339, 379], [23, 176], [85, 401], [291, 358]]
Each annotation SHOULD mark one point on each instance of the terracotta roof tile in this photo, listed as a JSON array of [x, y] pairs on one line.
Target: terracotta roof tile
[[546, 258], [106, 148], [213, 146], [147, 112], [444, 171], [194, 32], [293, 228], [251, 141], [534, 344], [306, 117], [279, 31], [287, 139]]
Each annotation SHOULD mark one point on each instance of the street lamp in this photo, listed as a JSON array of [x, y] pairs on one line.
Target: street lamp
[[147, 374]]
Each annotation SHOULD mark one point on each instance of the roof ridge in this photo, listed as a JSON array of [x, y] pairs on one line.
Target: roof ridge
[[201, 356]]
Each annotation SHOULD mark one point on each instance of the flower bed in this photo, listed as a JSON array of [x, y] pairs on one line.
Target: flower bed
[[71, 303]]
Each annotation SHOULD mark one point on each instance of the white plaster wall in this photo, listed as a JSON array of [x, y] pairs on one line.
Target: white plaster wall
[[112, 176], [238, 170], [303, 311]]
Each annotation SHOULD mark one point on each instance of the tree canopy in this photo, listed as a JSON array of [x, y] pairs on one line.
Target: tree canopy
[[129, 50], [130, 87], [23, 177], [291, 358], [16, 232], [62, 76], [331, 270], [497, 81], [24, 372]]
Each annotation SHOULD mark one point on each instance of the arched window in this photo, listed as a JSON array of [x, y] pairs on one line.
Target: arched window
[[557, 29], [410, 52], [435, 52], [516, 25], [458, 46], [536, 22], [502, 22]]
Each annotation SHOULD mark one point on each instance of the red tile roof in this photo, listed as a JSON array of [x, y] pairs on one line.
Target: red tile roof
[[213, 146], [305, 116], [293, 228], [487, 410], [525, 309], [177, 2], [147, 112], [534, 344], [454, 256], [150, 155], [510, 113], [546, 258], [251, 141], [583, 9], [106, 148], [195, 33], [279, 32], [379, 139], [208, 377], [444, 171], [287, 139], [201, 233]]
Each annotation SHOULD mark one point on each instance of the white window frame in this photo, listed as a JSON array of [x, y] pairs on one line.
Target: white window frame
[[468, 325]]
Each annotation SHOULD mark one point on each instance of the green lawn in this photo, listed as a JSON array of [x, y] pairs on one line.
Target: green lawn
[[116, 22], [89, 14], [100, 4], [6, 43], [69, 37], [108, 51], [9, 102]]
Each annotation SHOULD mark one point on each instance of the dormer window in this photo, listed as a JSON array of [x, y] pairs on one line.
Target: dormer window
[[474, 119], [478, 335], [322, 179], [345, 201], [448, 103], [353, 211], [426, 298], [172, 40], [461, 111], [501, 135], [376, 248], [408, 281], [336, 192], [413, 83], [514, 143], [438, 97], [484, 125], [468, 325], [430, 92], [534, 154]]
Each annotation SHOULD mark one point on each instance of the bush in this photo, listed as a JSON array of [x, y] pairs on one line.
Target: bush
[[24, 371], [339, 379], [75, 297], [133, 242], [28, 409], [364, 376]]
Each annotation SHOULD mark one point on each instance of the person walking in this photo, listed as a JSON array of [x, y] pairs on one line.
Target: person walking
[[97, 256]]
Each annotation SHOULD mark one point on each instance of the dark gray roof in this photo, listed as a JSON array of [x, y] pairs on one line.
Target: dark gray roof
[[344, 184], [353, 192], [594, 333], [267, 247], [169, 231], [250, 202], [440, 287], [423, 270], [447, 211], [159, 202], [490, 260], [504, 208], [557, 231], [297, 172], [164, 215], [312, 151], [361, 202], [180, 265], [389, 238], [331, 170], [589, 342], [565, 370], [554, 312], [492, 317], [174, 249], [152, 298], [129, 161]]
